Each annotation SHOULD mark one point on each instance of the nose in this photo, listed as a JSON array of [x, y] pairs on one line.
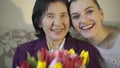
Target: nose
[[57, 21], [84, 19]]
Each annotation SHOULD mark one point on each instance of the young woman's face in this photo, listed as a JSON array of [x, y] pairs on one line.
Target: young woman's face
[[55, 22], [86, 17]]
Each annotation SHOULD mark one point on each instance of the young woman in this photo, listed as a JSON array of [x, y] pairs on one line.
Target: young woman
[[51, 21], [87, 18]]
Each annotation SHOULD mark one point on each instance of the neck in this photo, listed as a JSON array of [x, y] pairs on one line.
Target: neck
[[52, 44], [99, 37]]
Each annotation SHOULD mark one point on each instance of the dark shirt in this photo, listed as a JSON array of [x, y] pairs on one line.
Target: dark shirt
[[78, 45]]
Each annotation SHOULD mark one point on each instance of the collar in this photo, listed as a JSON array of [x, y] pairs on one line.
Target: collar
[[61, 46]]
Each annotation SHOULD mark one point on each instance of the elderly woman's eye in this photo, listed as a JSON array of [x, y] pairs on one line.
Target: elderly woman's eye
[[50, 16], [64, 15]]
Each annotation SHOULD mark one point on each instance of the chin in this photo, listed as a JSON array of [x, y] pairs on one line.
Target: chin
[[58, 38], [87, 36]]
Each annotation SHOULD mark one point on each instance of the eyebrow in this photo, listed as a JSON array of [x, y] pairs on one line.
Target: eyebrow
[[50, 13], [89, 7], [85, 9], [74, 14], [63, 13]]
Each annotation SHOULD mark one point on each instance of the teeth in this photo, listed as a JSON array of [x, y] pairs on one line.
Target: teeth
[[87, 27], [57, 30]]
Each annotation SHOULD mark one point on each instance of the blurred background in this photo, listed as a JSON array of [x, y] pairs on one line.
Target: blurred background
[[16, 24]]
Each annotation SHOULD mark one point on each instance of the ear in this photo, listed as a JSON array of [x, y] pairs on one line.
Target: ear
[[102, 13]]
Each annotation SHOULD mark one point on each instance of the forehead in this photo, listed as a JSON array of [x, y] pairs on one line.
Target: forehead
[[81, 4], [56, 7]]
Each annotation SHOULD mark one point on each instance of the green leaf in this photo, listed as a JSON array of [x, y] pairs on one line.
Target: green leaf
[[38, 55], [31, 60], [28, 57]]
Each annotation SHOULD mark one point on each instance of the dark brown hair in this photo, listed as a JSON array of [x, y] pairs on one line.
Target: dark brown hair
[[39, 9]]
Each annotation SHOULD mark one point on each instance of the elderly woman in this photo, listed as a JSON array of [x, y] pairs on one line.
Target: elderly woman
[[87, 18], [51, 22]]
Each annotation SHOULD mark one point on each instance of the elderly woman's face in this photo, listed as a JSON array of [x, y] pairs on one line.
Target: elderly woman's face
[[55, 22], [86, 17]]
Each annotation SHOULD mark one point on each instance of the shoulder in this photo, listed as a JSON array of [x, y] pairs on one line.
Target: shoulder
[[82, 45], [29, 45]]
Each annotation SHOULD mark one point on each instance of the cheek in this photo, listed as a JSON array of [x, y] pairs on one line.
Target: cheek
[[46, 26], [97, 17], [67, 23], [75, 24], [46, 23]]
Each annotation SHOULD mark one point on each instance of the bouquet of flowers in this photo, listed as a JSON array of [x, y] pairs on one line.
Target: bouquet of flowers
[[56, 59]]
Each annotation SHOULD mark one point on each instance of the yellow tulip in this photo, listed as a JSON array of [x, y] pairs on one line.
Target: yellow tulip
[[41, 64], [71, 51], [85, 55], [58, 65]]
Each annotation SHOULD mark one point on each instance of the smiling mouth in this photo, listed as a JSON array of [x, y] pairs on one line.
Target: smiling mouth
[[87, 27], [58, 30]]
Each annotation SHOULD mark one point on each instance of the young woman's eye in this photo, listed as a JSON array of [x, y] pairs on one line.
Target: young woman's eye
[[89, 12], [75, 16]]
